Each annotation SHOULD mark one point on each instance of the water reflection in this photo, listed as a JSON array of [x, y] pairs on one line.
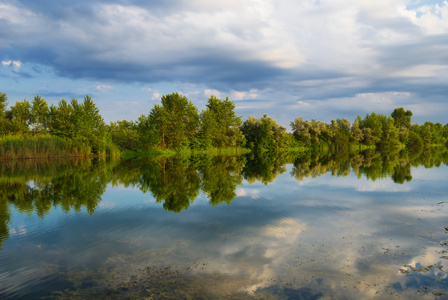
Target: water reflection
[[37, 186], [311, 235]]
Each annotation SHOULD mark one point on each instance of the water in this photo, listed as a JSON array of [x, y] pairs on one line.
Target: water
[[331, 227]]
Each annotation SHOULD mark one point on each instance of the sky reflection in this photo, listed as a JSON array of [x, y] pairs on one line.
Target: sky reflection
[[289, 239]]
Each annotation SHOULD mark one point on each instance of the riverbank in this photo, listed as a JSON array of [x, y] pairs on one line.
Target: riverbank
[[48, 146]]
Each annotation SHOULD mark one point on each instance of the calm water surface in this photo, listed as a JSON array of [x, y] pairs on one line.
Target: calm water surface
[[226, 228]]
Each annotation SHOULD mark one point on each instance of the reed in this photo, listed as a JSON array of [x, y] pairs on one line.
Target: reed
[[30, 146]]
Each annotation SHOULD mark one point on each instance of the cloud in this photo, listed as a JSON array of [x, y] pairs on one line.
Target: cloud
[[274, 52], [103, 88], [156, 95], [15, 65], [232, 94]]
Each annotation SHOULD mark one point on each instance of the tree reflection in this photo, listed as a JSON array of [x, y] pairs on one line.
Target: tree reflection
[[34, 186], [265, 167], [371, 164], [171, 180], [220, 176], [176, 181]]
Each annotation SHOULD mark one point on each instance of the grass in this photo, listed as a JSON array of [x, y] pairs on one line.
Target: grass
[[41, 146], [48, 146]]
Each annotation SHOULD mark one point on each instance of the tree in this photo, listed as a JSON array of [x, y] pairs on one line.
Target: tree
[[356, 134], [310, 132], [92, 125], [371, 127], [219, 126], [80, 122], [175, 121], [264, 134], [147, 133], [341, 135], [301, 130], [402, 120], [39, 114], [124, 135], [19, 117], [3, 105], [389, 136], [60, 120]]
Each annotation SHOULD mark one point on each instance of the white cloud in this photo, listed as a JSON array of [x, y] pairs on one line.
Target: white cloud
[[156, 95], [103, 88], [14, 64], [210, 92], [426, 71], [233, 95], [431, 18]]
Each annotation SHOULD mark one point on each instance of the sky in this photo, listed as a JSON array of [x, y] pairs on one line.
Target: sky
[[315, 59]]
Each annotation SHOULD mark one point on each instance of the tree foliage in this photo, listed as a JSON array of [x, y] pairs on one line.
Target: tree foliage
[[175, 124], [219, 126], [175, 121], [264, 134]]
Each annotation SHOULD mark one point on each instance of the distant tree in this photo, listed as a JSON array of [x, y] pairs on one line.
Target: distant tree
[[175, 121], [402, 120], [371, 127], [147, 133], [264, 134], [301, 130], [79, 122], [390, 133], [219, 126], [60, 120], [3, 105], [401, 117], [341, 135], [92, 125], [356, 134], [19, 117], [39, 114], [124, 135]]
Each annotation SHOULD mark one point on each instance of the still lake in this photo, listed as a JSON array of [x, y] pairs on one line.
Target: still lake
[[367, 225]]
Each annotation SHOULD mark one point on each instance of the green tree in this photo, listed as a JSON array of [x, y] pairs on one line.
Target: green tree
[[39, 114], [125, 135], [60, 120], [401, 117], [371, 127], [175, 121], [264, 134], [92, 125], [147, 134], [3, 105], [390, 133], [19, 117], [81, 123], [219, 126], [402, 120], [356, 134], [310, 133]]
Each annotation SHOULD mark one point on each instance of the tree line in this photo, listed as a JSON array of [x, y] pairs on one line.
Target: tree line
[[176, 124]]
